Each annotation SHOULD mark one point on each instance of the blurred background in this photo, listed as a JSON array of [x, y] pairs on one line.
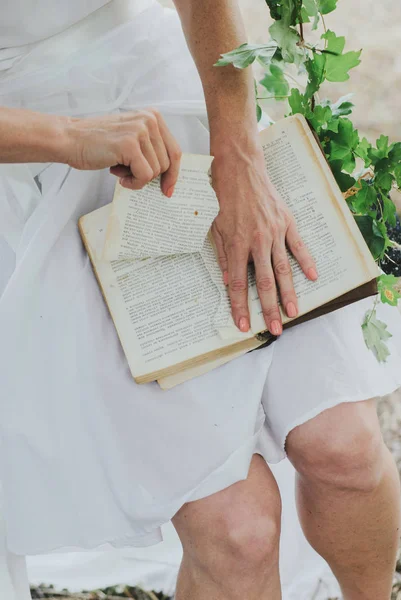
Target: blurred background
[[376, 83]]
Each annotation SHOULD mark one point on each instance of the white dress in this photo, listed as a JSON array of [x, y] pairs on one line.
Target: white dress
[[87, 456]]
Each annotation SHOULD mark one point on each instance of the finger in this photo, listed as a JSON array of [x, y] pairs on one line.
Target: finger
[[221, 253], [141, 172], [300, 252], [120, 171], [169, 178], [283, 276], [238, 286], [150, 155], [266, 285]]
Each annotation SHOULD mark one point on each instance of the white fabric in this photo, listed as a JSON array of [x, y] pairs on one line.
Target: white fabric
[[304, 575], [101, 459], [24, 22]]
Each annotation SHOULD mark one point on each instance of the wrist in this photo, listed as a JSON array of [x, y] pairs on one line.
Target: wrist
[[240, 140]]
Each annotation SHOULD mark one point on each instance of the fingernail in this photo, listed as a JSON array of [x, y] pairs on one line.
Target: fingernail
[[170, 191], [243, 324], [225, 277], [312, 274], [291, 310], [275, 327]]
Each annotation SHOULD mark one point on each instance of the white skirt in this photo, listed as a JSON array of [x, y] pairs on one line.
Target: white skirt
[[87, 456]]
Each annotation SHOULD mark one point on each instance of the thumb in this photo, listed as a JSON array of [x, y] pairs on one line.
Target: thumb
[[220, 251]]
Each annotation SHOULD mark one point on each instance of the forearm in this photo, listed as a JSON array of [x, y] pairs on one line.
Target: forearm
[[213, 27], [26, 136]]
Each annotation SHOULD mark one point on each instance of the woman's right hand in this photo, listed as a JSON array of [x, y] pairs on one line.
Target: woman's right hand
[[137, 147]]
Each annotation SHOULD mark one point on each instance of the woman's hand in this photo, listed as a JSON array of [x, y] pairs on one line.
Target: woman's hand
[[137, 146], [254, 222]]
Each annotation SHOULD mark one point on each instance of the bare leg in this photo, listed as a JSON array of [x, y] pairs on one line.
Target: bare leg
[[231, 541], [348, 497]]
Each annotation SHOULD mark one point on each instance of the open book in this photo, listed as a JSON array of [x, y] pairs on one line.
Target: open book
[[157, 269]]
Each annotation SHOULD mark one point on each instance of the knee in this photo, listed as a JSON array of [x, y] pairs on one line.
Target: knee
[[346, 454], [240, 542]]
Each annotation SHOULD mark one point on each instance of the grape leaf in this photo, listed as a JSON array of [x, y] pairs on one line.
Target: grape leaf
[[275, 82], [344, 181], [362, 150], [384, 181], [395, 152], [327, 6], [344, 143], [286, 10], [246, 54], [335, 44], [386, 285], [381, 151], [320, 117], [299, 103], [312, 10], [365, 199], [373, 235], [287, 39], [397, 175], [337, 67], [337, 63], [375, 335], [316, 70]]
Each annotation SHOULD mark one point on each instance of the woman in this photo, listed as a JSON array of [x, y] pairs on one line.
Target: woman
[[88, 456]]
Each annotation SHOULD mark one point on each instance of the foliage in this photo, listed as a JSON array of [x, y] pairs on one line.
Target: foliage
[[366, 172]]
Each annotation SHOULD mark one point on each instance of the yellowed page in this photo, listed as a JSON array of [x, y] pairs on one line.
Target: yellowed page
[[163, 308], [299, 171], [145, 223]]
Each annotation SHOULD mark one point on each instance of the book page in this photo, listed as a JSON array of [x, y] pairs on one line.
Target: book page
[[163, 308], [145, 223], [300, 173]]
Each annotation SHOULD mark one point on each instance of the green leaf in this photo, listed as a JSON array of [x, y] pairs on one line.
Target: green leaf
[[397, 175], [316, 70], [384, 181], [275, 82], [375, 335], [299, 103], [342, 107], [327, 6], [287, 39], [372, 234], [386, 285], [288, 11], [337, 63], [395, 152], [344, 181], [362, 150], [321, 116], [344, 143], [312, 10], [335, 45], [337, 67], [365, 199], [246, 54], [381, 151], [258, 112]]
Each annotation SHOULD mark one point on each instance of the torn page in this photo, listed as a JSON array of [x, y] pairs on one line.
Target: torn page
[[145, 223]]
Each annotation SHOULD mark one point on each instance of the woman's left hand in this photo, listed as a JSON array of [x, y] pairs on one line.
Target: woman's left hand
[[254, 222]]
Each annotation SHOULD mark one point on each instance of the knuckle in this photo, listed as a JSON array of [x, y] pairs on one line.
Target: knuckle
[[176, 154], [237, 243], [266, 283], [298, 244], [260, 238], [282, 268], [271, 313], [154, 112], [238, 284]]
